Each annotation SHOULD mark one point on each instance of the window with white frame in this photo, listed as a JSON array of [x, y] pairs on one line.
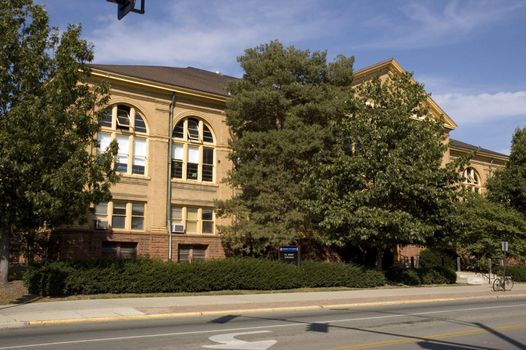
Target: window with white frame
[[125, 125], [101, 216], [472, 180], [194, 220], [120, 214], [193, 151]]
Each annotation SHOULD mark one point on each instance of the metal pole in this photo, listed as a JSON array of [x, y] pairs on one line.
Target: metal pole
[[504, 272], [169, 179], [489, 274]]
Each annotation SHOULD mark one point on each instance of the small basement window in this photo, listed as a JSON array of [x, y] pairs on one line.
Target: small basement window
[[191, 252], [119, 250]]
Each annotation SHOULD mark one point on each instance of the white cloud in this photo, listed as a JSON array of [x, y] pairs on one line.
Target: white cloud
[[428, 23], [207, 34], [482, 108]]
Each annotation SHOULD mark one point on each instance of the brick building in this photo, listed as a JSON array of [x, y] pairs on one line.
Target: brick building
[[173, 147]]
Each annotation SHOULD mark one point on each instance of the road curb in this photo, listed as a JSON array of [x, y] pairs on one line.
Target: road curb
[[20, 324]]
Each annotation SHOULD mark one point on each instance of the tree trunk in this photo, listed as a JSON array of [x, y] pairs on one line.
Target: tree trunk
[[379, 258], [5, 237]]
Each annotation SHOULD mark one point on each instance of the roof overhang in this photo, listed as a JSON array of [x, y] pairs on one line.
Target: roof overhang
[[99, 73], [479, 152]]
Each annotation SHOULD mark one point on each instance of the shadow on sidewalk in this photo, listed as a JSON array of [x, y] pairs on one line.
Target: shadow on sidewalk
[[25, 299]]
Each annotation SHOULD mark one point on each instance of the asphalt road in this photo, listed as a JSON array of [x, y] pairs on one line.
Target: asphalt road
[[495, 324]]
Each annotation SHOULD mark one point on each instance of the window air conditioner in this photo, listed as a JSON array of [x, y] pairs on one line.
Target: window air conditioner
[[177, 228], [101, 225]]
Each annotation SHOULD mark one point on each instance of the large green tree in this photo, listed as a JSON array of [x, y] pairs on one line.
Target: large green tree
[[49, 173], [508, 185], [280, 115], [480, 225], [387, 185]]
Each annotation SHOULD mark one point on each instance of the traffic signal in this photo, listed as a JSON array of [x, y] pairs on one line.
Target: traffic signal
[[125, 6]]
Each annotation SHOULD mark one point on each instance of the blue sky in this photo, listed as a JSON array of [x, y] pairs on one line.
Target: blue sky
[[470, 54]]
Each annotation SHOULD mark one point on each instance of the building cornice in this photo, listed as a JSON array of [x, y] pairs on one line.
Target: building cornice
[[95, 72], [479, 152]]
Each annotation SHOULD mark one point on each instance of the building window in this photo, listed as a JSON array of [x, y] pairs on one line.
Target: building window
[[472, 180], [125, 125], [137, 222], [118, 219], [101, 216], [207, 220], [194, 220], [122, 215], [193, 151], [191, 252], [119, 250]]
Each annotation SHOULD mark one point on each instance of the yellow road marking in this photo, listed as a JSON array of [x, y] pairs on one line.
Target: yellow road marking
[[414, 339]]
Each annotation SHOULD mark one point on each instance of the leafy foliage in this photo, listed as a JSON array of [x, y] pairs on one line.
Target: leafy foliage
[[48, 118], [517, 272], [155, 276], [386, 186], [481, 225], [279, 116], [429, 258], [318, 162], [423, 275], [508, 185]]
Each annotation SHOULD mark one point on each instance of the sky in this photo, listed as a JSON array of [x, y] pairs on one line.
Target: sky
[[469, 54]]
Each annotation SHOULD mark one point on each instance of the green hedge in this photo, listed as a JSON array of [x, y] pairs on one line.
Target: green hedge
[[424, 275], [154, 276], [517, 272], [430, 258]]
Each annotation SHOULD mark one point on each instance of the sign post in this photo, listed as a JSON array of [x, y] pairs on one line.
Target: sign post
[[290, 255], [504, 247]]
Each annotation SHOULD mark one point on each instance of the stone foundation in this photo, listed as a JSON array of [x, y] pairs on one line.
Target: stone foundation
[[81, 245]]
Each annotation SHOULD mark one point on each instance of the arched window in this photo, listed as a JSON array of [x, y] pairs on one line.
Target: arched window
[[472, 180], [126, 125], [193, 151]]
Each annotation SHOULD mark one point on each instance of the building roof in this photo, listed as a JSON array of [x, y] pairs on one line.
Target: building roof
[[189, 77], [391, 65], [459, 144]]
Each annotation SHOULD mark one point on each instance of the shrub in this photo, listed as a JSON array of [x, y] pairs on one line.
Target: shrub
[[322, 274], [155, 276], [517, 272], [437, 275], [429, 259], [430, 275], [400, 274], [49, 279]]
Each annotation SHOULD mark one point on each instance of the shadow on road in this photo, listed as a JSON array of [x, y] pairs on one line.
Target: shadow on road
[[422, 341], [501, 336], [435, 346]]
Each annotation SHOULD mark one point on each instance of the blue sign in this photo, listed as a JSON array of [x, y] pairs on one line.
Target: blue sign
[[289, 249], [290, 254]]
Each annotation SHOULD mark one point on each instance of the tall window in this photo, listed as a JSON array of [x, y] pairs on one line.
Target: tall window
[[472, 180], [193, 151], [125, 125], [118, 219], [195, 220], [121, 215]]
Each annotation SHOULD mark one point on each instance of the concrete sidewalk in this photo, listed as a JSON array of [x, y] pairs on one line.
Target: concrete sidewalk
[[98, 310]]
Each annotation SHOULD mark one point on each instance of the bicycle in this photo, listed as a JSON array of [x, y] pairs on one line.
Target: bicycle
[[502, 283]]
